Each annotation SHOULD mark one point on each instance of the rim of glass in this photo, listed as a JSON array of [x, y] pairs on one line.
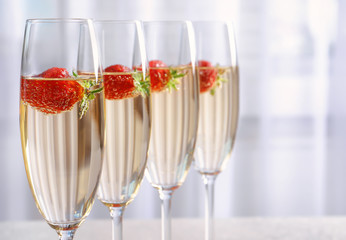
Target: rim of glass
[[213, 22], [116, 21], [167, 21], [47, 20]]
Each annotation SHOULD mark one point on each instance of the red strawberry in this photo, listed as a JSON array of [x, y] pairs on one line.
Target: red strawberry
[[51, 96], [158, 77], [55, 73], [118, 86], [117, 68], [207, 75]]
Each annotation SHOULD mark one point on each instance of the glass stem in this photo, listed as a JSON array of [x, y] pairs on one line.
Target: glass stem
[[209, 182], [117, 219], [166, 213], [66, 234]]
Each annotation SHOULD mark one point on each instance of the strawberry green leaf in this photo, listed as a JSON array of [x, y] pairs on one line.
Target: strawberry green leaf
[[142, 86], [174, 79], [88, 94], [218, 82], [212, 91]]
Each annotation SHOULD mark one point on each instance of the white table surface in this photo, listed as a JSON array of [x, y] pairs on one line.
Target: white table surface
[[331, 228]]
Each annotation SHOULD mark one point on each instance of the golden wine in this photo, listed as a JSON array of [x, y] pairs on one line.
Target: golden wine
[[174, 123], [218, 118], [126, 150], [62, 153]]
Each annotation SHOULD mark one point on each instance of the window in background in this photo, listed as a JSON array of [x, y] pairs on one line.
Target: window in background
[[280, 160]]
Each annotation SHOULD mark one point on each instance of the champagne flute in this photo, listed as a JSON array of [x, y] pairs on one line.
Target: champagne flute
[[127, 108], [61, 119], [217, 71], [174, 92]]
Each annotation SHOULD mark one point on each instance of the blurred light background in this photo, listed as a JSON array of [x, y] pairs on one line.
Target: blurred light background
[[290, 153]]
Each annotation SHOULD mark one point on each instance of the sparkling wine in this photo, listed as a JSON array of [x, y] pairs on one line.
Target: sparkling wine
[[218, 118], [62, 155], [127, 138], [174, 122]]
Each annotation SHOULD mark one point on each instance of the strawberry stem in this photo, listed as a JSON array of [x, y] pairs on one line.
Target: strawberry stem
[[84, 106], [96, 90]]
